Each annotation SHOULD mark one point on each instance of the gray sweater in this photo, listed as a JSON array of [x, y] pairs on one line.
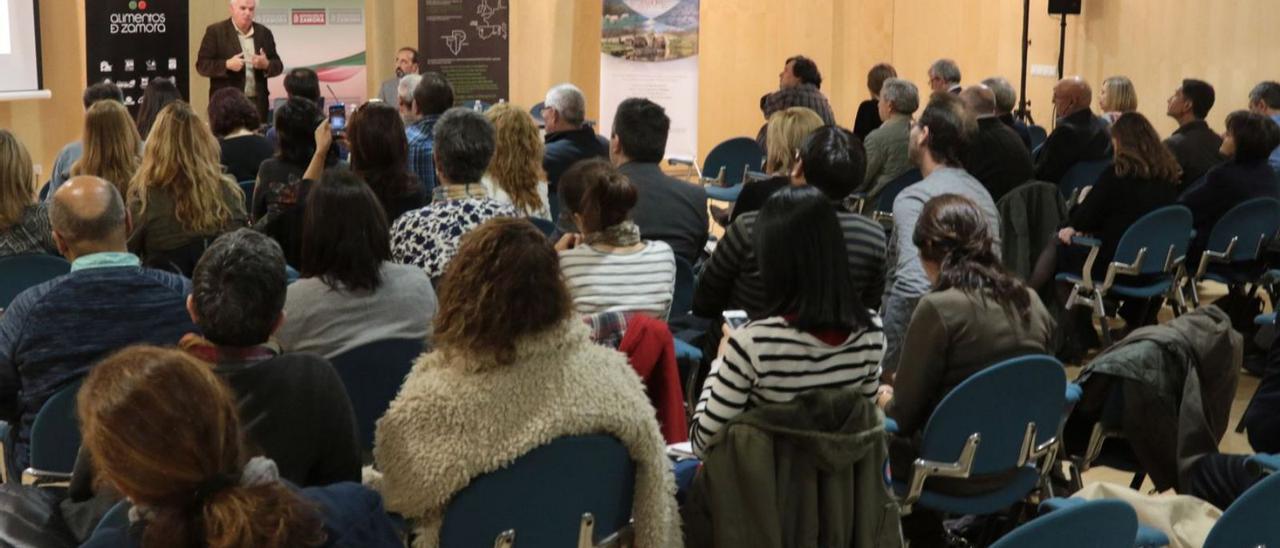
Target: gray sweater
[[329, 321]]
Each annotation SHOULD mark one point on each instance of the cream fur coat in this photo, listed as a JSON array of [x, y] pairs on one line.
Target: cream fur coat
[[454, 422]]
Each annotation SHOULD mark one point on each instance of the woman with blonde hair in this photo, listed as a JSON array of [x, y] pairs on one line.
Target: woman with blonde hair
[[180, 198], [1117, 97], [111, 145], [786, 130], [24, 221], [515, 175]]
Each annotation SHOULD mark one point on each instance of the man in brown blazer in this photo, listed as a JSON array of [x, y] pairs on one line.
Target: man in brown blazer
[[241, 54]]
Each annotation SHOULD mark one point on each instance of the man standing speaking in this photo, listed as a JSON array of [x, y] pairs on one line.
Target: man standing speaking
[[241, 54]]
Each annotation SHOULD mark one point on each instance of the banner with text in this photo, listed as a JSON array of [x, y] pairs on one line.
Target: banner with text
[[326, 36], [649, 49], [131, 42], [466, 41]]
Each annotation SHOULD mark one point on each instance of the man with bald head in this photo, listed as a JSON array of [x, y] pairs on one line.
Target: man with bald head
[[52, 333], [1079, 135], [996, 155]]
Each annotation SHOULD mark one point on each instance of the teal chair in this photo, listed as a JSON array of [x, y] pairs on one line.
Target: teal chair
[[55, 439], [1251, 520], [726, 167], [1142, 536], [116, 518], [1234, 249], [372, 374], [21, 272], [1097, 524], [573, 491], [1084, 173]]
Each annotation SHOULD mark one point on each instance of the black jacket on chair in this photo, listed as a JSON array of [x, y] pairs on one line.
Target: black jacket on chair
[[997, 158], [1079, 136], [220, 43]]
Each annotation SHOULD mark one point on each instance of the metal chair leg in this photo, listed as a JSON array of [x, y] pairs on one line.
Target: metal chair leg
[[1100, 312]]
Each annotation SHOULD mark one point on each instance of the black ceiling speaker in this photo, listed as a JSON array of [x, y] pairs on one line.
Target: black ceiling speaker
[[1064, 7]]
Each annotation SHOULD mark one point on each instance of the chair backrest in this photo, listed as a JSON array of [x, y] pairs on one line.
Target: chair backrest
[[1038, 136], [547, 227], [543, 495], [682, 300], [1097, 524], [372, 374], [1084, 173], [890, 192], [247, 188], [998, 403], [1250, 520], [1165, 233], [1252, 223], [736, 157], [21, 272], [55, 434], [116, 518]]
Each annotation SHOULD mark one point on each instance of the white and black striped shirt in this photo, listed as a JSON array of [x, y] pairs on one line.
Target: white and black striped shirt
[[768, 361], [640, 281]]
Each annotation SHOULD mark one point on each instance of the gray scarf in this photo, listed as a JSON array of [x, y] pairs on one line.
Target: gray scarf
[[624, 234]]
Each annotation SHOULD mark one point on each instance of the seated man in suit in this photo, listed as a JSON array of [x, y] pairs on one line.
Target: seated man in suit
[[1079, 135], [1194, 144], [569, 138], [53, 333], [995, 155], [1006, 100], [668, 209]]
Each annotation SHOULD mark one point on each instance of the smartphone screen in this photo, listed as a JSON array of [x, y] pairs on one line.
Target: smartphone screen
[[735, 318], [338, 118]]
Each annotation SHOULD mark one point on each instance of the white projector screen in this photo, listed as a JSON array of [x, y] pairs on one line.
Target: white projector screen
[[19, 46]]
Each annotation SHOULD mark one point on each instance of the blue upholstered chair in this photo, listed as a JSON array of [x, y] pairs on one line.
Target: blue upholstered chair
[[548, 228], [21, 272], [1233, 252], [1097, 524], [574, 491], [55, 439], [725, 169], [1250, 520], [1084, 173], [372, 374]]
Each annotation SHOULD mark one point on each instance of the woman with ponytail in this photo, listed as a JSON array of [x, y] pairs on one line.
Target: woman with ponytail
[[607, 267], [162, 430]]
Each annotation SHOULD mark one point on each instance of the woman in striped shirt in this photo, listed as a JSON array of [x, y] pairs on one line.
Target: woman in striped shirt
[[817, 333], [607, 267]]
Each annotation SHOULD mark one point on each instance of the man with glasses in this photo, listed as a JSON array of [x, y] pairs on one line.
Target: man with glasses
[[944, 75], [1079, 135], [569, 138]]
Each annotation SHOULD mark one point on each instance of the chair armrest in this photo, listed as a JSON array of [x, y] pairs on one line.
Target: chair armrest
[[1074, 393], [45, 478], [1265, 463], [890, 425], [680, 161], [1087, 241], [1265, 319]]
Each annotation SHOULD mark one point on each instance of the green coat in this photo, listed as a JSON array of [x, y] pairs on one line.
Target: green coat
[[804, 474]]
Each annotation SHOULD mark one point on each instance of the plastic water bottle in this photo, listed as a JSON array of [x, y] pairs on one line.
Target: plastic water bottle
[[478, 107]]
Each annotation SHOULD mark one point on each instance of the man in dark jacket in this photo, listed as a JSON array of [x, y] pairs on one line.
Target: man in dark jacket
[[1194, 144], [1079, 136], [569, 138], [241, 54], [1006, 100], [668, 209], [995, 156]]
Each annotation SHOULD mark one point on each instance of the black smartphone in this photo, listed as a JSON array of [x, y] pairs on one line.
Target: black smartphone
[[338, 118]]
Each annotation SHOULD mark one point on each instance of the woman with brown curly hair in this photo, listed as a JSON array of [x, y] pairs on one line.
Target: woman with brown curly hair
[[234, 121], [162, 430], [515, 174], [513, 369]]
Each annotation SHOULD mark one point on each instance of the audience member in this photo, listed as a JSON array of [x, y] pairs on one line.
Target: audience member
[[976, 315], [1116, 97], [515, 175], [1264, 99], [669, 209], [607, 267], [351, 294], [799, 85], [180, 196], [406, 64], [405, 90], [944, 75], [112, 149], [234, 121], [145, 402], [280, 194], [937, 143], [379, 155], [995, 155], [71, 153], [432, 97], [786, 130], [1006, 101], [293, 405], [500, 385], [158, 94], [1194, 144], [831, 160], [814, 333], [53, 333], [569, 139], [428, 237], [1079, 135], [1248, 141], [305, 83], [24, 221], [887, 145], [868, 117]]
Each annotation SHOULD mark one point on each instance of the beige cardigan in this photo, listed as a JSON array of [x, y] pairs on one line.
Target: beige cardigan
[[450, 424]]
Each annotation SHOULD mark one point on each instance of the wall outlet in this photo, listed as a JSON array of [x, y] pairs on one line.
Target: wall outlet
[[1049, 71]]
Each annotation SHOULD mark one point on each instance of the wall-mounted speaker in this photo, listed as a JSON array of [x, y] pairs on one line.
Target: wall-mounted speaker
[[1067, 7]]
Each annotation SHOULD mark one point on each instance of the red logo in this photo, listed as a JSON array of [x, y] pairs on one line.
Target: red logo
[[308, 17]]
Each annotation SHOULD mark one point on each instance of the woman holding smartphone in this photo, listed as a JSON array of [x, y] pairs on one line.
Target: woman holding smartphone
[[817, 334]]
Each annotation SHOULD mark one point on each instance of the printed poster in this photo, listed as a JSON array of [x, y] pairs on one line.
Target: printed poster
[[326, 36], [649, 48], [131, 42], [467, 42]]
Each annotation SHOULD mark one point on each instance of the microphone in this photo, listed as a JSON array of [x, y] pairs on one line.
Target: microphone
[[332, 94]]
